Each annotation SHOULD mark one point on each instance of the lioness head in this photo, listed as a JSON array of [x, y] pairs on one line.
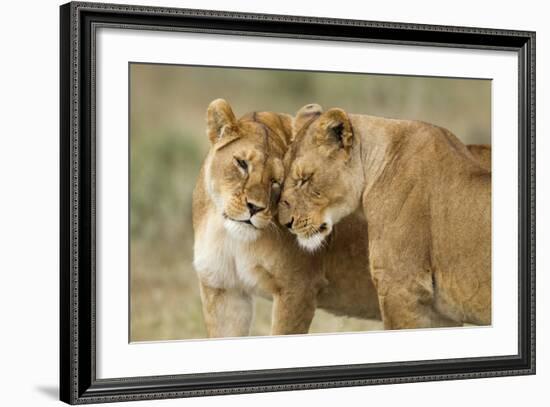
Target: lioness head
[[244, 170], [320, 187]]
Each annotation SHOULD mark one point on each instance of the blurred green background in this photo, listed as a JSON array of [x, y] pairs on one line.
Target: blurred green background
[[168, 143]]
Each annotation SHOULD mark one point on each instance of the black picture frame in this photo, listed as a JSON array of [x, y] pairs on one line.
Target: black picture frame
[[78, 382]]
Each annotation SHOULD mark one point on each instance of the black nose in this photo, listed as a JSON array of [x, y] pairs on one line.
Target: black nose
[[289, 224], [253, 208]]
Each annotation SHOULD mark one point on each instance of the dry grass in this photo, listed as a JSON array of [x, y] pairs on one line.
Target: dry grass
[[168, 143]]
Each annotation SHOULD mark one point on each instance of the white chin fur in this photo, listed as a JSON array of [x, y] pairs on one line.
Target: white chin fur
[[241, 231], [313, 243]]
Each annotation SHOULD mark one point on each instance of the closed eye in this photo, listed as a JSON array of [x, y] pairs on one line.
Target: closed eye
[[304, 180], [242, 164]]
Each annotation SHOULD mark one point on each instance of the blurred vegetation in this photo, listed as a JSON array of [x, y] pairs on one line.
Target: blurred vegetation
[[168, 143]]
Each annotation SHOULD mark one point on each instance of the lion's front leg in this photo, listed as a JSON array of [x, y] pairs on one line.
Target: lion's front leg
[[405, 305], [405, 286], [227, 312], [293, 311]]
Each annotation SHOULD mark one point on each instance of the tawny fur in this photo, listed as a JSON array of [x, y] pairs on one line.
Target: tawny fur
[[427, 201], [236, 261], [482, 153]]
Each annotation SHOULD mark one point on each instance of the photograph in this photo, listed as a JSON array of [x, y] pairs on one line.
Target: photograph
[[292, 202], [255, 202]]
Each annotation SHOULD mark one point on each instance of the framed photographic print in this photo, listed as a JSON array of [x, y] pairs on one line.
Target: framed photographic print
[[255, 203]]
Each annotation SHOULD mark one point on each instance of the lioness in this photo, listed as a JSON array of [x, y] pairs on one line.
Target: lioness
[[427, 202], [240, 251]]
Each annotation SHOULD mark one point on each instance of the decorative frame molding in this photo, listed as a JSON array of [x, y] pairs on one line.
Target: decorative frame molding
[[78, 382]]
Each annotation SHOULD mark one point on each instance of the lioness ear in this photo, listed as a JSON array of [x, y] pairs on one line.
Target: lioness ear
[[304, 115], [219, 118], [336, 129]]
